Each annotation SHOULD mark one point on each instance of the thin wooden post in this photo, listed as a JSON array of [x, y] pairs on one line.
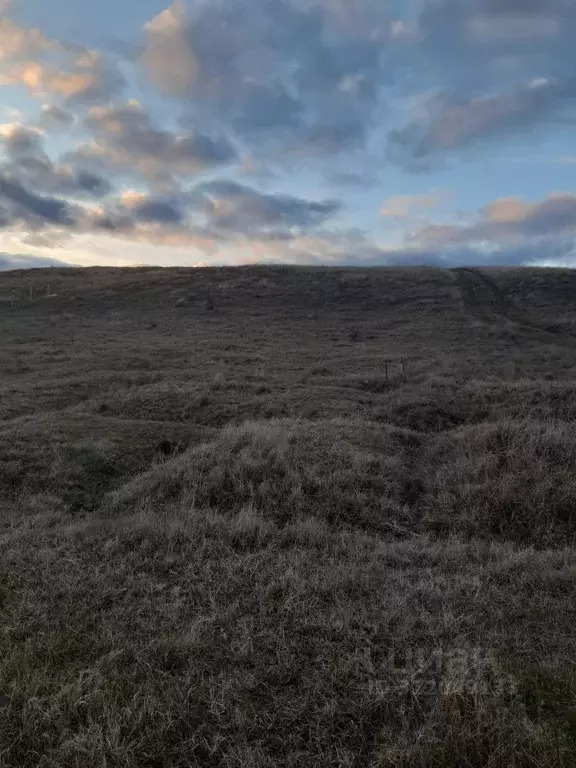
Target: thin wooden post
[[386, 370]]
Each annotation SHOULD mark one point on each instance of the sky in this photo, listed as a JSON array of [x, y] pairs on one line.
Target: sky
[[337, 132]]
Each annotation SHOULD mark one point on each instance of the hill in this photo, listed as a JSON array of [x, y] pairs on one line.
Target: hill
[[269, 516]]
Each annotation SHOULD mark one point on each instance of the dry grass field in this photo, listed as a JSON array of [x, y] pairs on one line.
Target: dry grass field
[[276, 516]]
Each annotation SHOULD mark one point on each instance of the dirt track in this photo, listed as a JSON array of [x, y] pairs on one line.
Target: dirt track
[[482, 298]]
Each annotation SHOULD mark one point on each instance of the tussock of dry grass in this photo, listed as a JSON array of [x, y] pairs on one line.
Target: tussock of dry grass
[[227, 540], [510, 479], [342, 472]]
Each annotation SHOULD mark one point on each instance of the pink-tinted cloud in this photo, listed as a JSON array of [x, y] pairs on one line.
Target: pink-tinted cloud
[[405, 206], [508, 221], [48, 68]]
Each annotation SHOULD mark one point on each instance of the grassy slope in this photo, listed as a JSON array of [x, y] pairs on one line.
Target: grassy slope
[[229, 537]]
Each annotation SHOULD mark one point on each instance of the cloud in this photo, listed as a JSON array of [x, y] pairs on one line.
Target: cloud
[[231, 223], [90, 79], [452, 123], [55, 117], [510, 224], [403, 206], [48, 67], [43, 197], [62, 178], [17, 43], [506, 209], [134, 207], [355, 249], [27, 162], [275, 87], [290, 72], [555, 215], [211, 215], [126, 139], [233, 207], [527, 255], [145, 208], [167, 56], [20, 140], [100, 80], [317, 77], [19, 205]]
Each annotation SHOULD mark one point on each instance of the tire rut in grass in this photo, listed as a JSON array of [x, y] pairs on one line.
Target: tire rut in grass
[[483, 298]]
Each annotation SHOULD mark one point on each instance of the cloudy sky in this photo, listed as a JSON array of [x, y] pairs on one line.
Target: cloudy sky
[[302, 131]]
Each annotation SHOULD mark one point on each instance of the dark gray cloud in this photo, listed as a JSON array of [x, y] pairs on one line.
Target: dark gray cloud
[[556, 214], [18, 204], [55, 117], [219, 211], [163, 211], [126, 139], [83, 181], [43, 175], [126, 213], [21, 141], [233, 207], [281, 70], [27, 162]]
